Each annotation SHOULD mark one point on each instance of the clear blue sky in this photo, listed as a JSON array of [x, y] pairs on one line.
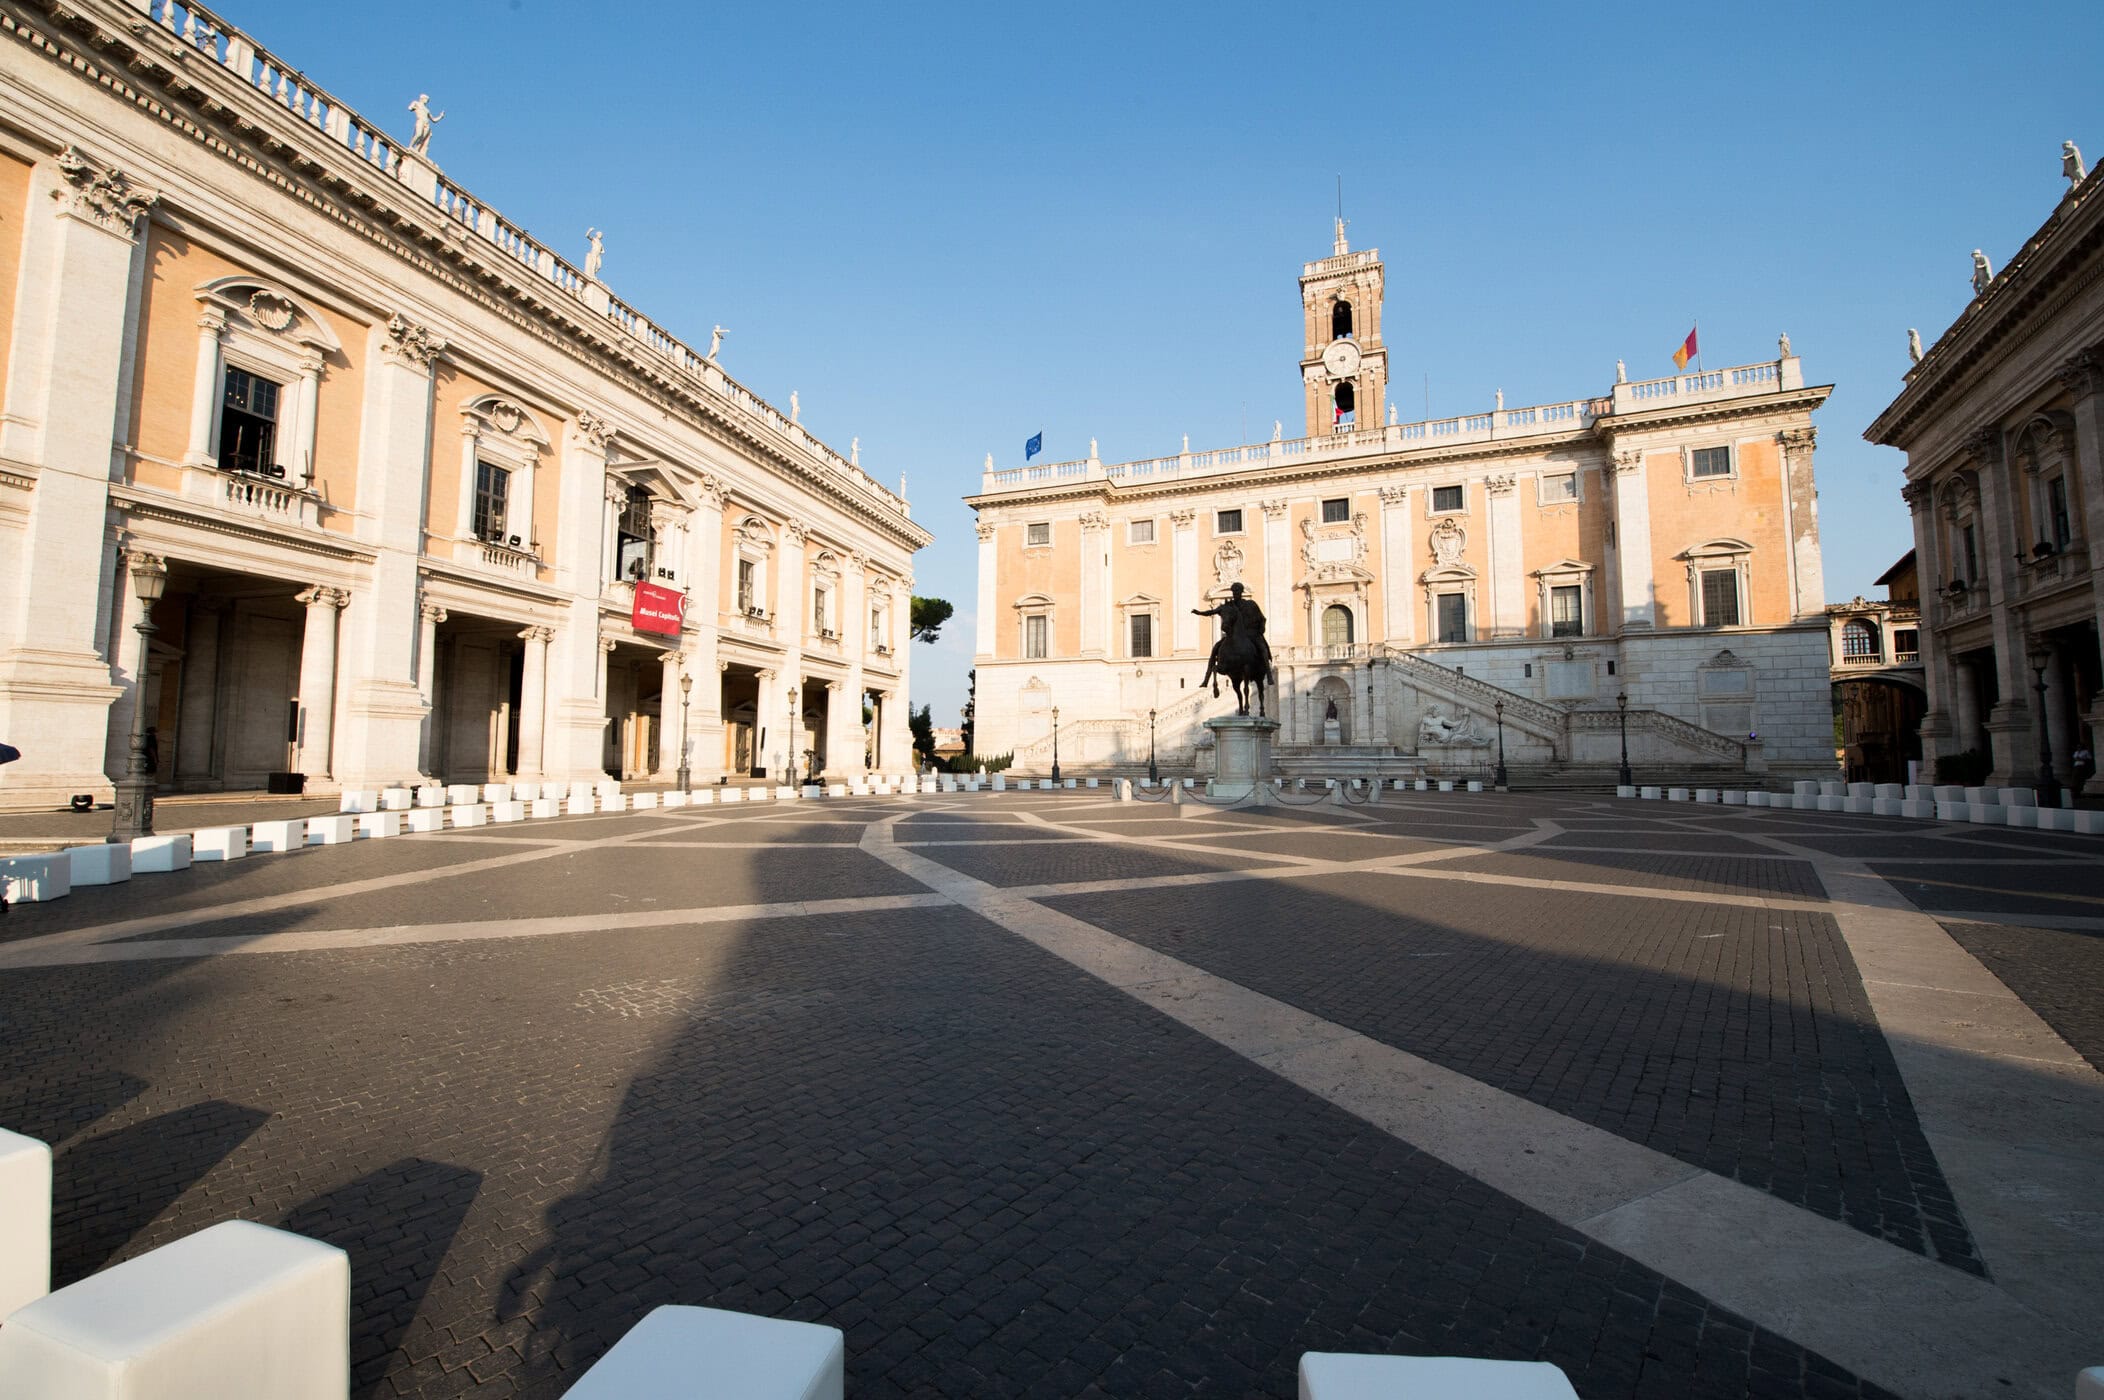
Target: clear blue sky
[[949, 227]]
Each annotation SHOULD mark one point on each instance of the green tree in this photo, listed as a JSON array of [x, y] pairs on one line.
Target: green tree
[[929, 614], [922, 723], [971, 705]]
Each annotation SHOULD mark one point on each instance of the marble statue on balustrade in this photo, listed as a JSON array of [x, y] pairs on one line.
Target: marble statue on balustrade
[[595, 258], [796, 408], [420, 139], [716, 336], [854, 452], [2071, 164], [1983, 272], [1436, 728], [1914, 345], [1782, 346], [1621, 372]]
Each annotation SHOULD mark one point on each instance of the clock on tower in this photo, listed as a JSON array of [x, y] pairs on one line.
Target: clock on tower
[[1344, 365]]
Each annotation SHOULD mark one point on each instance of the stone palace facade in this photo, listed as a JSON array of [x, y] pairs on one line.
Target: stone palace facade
[[2002, 421], [406, 470], [1659, 541]]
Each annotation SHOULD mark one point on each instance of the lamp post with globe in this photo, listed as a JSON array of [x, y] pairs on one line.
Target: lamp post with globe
[[1622, 704], [686, 694]]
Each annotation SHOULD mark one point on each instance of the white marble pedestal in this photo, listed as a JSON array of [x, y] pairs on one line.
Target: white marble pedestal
[[1241, 758]]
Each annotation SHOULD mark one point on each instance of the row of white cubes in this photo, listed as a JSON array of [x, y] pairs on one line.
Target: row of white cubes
[[1924, 802]]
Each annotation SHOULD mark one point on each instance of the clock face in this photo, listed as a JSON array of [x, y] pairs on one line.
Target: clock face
[[1341, 359]]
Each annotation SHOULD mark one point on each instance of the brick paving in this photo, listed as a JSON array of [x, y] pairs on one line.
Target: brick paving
[[998, 1175]]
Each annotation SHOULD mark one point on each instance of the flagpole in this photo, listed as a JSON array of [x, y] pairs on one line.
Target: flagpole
[[1698, 349]]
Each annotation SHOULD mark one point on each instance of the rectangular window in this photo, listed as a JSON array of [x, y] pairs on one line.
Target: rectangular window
[[248, 424], [632, 536], [818, 609], [1228, 522], [1560, 488], [492, 488], [1453, 617], [1140, 532], [1709, 461], [1037, 533], [1446, 498], [1969, 554], [1337, 512], [1906, 645], [748, 583], [1143, 634], [1034, 632], [1720, 597], [1567, 611], [876, 629], [2056, 512]]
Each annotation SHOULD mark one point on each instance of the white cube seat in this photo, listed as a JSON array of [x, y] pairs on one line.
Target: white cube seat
[[397, 800], [1000, 782], [2087, 822], [512, 811], [710, 1354], [646, 801], [1861, 806], [354, 801], [1475, 785], [581, 806], [675, 799], [2016, 797], [607, 787], [1920, 808], [237, 1312], [1705, 794], [339, 830], [36, 879], [579, 790], [471, 814], [525, 792], [378, 826], [612, 802], [1892, 792], [428, 819], [544, 807], [25, 1221], [103, 864], [1446, 785], [219, 843], [157, 855], [460, 794], [701, 798], [277, 836], [1676, 794], [496, 792], [1332, 1375], [1804, 788], [1732, 797]]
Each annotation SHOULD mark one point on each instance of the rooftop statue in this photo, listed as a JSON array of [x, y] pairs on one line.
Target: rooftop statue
[[420, 139], [1782, 346], [1621, 373], [1242, 654], [1914, 345], [854, 452], [796, 408], [716, 342], [2071, 163], [594, 259], [1982, 272]]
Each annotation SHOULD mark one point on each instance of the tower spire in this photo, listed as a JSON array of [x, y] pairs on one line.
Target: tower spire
[[1341, 247]]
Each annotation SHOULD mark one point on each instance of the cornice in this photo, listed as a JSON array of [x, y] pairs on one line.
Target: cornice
[[469, 585], [153, 507], [123, 56]]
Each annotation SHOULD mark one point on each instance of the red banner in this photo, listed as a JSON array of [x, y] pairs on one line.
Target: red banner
[[658, 609]]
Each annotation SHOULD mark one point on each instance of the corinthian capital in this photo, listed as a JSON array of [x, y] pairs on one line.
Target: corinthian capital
[[322, 596], [1498, 485], [2083, 374], [596, 430], [1798, 439], [411, 342], [101, 194]]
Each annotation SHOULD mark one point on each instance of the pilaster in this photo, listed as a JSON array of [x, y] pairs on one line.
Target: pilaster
[[1399, 612], [989, 584], [576, 738], [1095, 583], [1801, 515], [1278, 570], [1508, 606], [1633, 581], [1183, 580]]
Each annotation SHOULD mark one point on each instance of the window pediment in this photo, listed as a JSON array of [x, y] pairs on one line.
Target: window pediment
[[1563, 568], [265, 308], [1717, 549]]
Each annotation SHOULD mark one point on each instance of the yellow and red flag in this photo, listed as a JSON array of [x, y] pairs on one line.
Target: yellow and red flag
[[1687, 351]]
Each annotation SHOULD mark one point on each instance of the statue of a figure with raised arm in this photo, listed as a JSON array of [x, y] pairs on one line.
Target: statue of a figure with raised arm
[[420, 139]]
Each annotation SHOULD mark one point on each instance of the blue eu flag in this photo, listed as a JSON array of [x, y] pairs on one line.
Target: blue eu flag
[[1033, 447]]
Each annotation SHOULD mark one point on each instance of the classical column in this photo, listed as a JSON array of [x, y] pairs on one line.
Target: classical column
[[1183, 580], [1400, 624], [1508, 607], [1362, 703], [770, 734], [671, 734], [318, 679], [847, 757], [2061, 714], [431, 615], [1966, 683], [301, 459], [2011, 726], [197, 721], [989, 584], [1801, 517], [1633, 542], [124, 657], [533, 699], [1095, 582], [1928, 561], [1278, 573], [843, 732], [574, 745], [204, 389], [2083, 376], [470, 464]]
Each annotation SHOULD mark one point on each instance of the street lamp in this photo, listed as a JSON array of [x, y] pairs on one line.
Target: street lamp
[[2048, 785], [792, 731], [686, 694], [1500, 781], [1055, 743], [1153, 776], [133, 816], [1622, 703]]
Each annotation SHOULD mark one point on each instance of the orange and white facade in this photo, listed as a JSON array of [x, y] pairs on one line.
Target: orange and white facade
[[1659, 540], [405, 467]]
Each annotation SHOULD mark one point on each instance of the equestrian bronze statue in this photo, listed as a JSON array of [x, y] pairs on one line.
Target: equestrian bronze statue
[[1241, 655]]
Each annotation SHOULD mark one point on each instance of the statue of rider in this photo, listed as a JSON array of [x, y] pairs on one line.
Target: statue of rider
[[1239, 617]]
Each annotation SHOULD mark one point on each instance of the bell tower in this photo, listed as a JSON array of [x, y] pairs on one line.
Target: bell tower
[[1343, 365]]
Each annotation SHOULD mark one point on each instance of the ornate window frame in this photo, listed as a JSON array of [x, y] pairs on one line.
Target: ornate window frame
[[1154, 532], [1140, 605], [1035, 605], [1732, 454], [1565, 573], [1449, 578], [1724, 552], [497, 430], [1541, 488], [258, 325], [752, 540], [825, 597], [1433, 510], [1030, 525], [2043, 450]]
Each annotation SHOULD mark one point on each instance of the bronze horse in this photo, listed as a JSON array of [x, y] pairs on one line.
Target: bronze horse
[[1242, 654]]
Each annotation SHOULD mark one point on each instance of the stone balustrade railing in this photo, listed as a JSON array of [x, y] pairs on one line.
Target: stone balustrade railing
[[198, 28], [1499, 425]]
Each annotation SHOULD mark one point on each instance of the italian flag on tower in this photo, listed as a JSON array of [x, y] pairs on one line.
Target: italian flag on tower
[[1688, 350]]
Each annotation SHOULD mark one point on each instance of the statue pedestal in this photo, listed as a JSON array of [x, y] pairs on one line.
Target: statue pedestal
[[1242, 764]]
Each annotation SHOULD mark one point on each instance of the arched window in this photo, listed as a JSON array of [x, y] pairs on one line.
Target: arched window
[[1859, 640], [1341, 321], [1336, 626], [1346, 400]]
